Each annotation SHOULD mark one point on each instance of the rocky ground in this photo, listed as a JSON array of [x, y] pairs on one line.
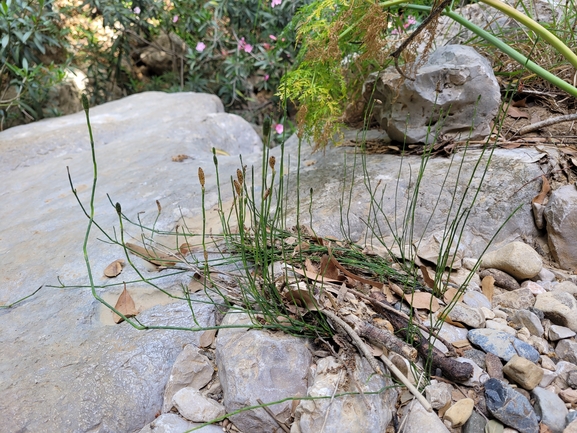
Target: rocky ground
[[66, 366]]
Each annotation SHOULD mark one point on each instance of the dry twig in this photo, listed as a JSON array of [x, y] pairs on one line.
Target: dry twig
[[548, 122]]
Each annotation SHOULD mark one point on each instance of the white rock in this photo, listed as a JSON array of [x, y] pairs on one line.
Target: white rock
[[557, 332], [517, 259], [192, 405], [191, 369], [438, 393]]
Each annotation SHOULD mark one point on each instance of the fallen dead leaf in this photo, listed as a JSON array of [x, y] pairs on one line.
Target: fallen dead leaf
[[180, 158], [207, 338], [328, 268], [310, 267], [422, 300], [450, 294], [115, 268], [520, 103], [488, 287], [428, 280], [301, 296], [545, 188], [195, 286], [151, 255], [124, 305], [516, 113]]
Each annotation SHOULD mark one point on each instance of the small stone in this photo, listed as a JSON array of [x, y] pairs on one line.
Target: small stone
[[192, 405], [494, 426], [545, 275], [572, 379], [479, 376], [567, 287], [494, 366], [504, 345], [548, 378], [550, 408], [520, 299], [557, 332], [540, 344], [547, 363], [559, 307], [500, 325], [510, 407], [523, 372], [191, 369], [529, 320], [517, 259], [571, 416], [475, 424], [476, 300], [416, 416], [172, 423], [567, 351], [477, 356], [502, 279], [460, 412], [564, 369], [438, 394], [488, 313], [469, 316], [469, 263], [534, 287], [571, 428], [569, 396]]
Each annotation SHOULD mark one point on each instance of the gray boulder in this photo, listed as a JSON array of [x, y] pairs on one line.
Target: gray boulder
[[561, 217], [64, 365], [454, 94]]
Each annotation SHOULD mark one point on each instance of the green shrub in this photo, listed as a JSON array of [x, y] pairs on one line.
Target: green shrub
[[29, 31]]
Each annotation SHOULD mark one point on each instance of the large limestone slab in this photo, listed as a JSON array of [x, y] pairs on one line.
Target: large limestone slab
[[64, 366], [340, 212]]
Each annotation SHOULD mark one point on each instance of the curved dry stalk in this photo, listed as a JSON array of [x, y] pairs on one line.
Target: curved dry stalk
[[399, 375], [548, 122]]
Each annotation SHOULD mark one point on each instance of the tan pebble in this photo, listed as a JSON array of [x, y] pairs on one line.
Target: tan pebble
[[460, 412]]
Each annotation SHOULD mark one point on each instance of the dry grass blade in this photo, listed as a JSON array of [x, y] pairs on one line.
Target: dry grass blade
[[151, 255]]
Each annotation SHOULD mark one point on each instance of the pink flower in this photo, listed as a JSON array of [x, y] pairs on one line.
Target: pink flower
[[274, 3], [266, 77], [279, 128], [266, 46], [273, 37], [243, 46], [137, 10], [200, 47], [175, 19]]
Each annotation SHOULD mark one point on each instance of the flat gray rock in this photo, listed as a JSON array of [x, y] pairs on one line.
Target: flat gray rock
[[64, 366]]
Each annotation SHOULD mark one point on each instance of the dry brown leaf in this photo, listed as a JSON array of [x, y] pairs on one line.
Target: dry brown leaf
[[375, 350], [115, 268], [300, 296], [207, 338], [151, 255], [124, 305], [488, 287], [520, 103], [303, 246], [314, 276], [450, 294], [446, 319], [444, 409], [195, 286], [422, 300], [428, 280], [461, 343], [180, 158], [310, 267], [516, 113], [328, 268], [391, 299], [545, 188]]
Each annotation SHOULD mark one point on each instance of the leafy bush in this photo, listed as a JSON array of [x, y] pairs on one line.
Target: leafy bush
[[232, 49], [29, 30]]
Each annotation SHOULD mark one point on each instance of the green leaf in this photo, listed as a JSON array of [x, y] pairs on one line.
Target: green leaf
[[25, 64], [5, 40]]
